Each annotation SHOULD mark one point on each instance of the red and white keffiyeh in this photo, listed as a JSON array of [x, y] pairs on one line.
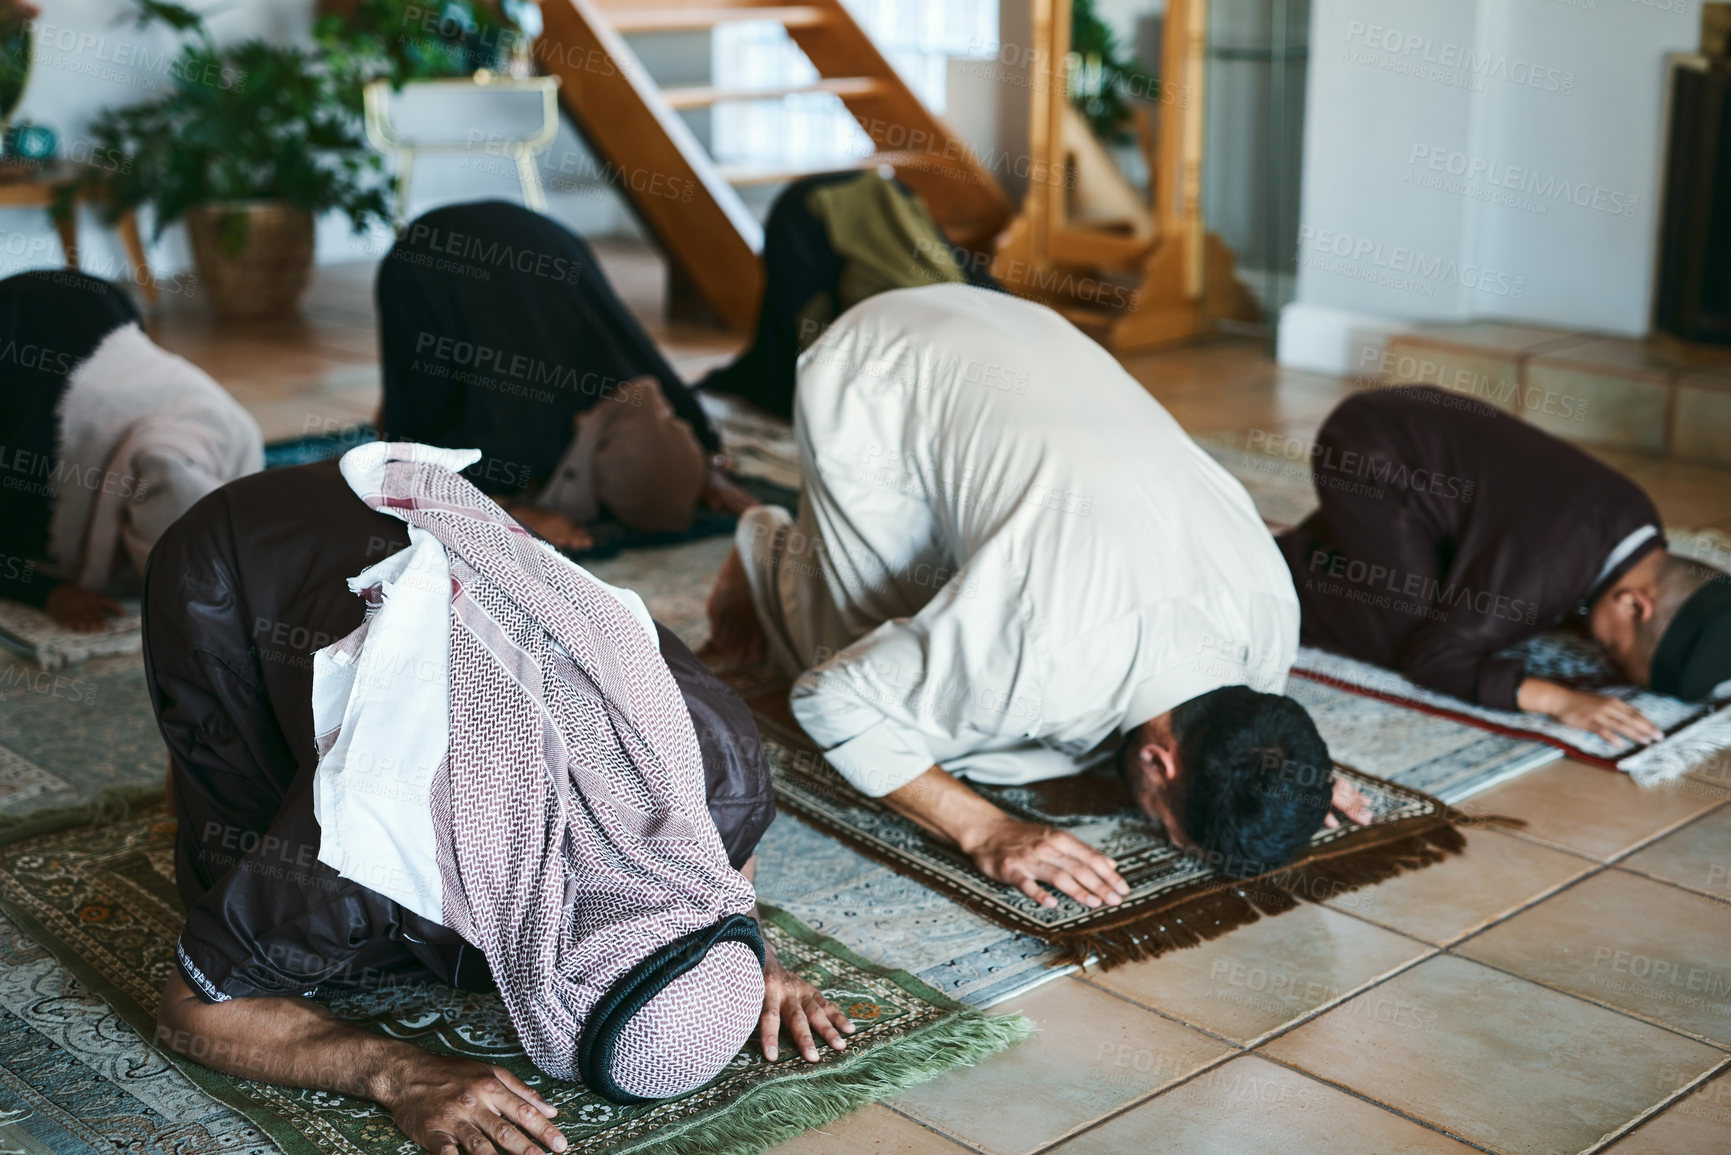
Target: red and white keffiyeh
[[572, 835]]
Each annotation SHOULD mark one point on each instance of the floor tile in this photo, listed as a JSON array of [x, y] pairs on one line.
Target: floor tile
[[1700, 1122], [1492, 375], [876, 1130], [1250, 1106], [1604, 405], [1698, 856], [1495, 1059], [1263, 976], [1503, 336], [1701, 420], [1623, 460], [1715, 771], [1687, 494], [1496, 874], [1653, 950], [1094, 1054], [1633, 355], [1241, 410], [1599, 813]]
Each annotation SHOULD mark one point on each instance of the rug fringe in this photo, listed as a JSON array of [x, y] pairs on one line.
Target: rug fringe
[[1704, 742], [1192, 924], [773, 1113], [115, 804], [1409, 846]]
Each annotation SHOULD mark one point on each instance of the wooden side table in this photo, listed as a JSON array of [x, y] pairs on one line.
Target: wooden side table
[[41, 186]]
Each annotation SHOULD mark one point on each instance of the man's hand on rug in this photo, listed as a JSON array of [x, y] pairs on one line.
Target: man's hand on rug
[[1610, 718], [453, 1106], [1025, 854], [1349, 802], [448, 1105], [80, 609], [789, 999]]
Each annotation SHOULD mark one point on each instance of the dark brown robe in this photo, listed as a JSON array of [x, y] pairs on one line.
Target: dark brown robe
[[1450, 530]]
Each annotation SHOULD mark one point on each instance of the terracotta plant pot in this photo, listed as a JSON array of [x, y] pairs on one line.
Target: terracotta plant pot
[[254, 258]]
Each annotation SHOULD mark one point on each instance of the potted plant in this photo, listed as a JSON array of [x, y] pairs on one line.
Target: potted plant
[[252, 141], [404, 40]]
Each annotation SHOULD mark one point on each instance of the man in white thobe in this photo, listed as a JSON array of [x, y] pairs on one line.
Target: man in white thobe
[[1011, 563]]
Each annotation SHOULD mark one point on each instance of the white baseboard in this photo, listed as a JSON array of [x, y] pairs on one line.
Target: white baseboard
[[1336, 341]]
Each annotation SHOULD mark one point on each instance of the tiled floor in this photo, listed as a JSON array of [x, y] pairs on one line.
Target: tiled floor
[[1660, 395], [1564, 986]]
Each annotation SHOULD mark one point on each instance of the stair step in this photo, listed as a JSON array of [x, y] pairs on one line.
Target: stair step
[[695, 19], [750, 174], [703, 97]]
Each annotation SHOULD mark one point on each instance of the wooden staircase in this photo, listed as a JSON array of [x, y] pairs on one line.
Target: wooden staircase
[[688, 201]]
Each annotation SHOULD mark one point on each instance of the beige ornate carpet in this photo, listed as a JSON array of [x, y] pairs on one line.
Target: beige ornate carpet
[[101, 899]]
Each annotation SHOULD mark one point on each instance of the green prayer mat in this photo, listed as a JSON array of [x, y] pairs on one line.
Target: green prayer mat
[[102, 900]]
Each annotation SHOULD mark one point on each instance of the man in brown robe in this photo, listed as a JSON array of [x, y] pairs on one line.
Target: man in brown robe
[[1449, 531], [239, 594]]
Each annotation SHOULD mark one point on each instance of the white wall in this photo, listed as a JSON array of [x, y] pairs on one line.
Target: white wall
[[89, 57], [1546, 120]]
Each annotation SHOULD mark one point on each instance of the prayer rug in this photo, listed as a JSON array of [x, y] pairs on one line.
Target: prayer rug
[[1176, 900], [1442, 757], [75, 1079], [34, 636], [102, 900], [1696, 734], [83, 738], [892, 919], [316, 447]]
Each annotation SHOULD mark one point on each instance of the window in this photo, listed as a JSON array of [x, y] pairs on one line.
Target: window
[[810, 129]]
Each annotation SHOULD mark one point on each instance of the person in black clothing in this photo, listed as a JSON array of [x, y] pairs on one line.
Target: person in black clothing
[[105, 439], [1449, 531], [49, 322], [498, 331], [238, 595], [806, 275]]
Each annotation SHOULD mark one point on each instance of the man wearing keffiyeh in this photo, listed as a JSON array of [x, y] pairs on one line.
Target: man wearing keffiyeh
[[503, 774]]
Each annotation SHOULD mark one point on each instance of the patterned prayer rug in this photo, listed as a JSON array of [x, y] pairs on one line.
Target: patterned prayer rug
[[102, 900], [33, 635], [1175, 899], [78, 737], [1696, 734], [74, 1078], [1450, 760]]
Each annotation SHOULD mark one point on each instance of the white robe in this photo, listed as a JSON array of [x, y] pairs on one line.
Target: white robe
[[1008, 553], [143, 435]]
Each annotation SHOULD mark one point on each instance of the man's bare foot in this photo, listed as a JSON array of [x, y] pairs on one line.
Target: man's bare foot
[[734, 631], [560, 531]]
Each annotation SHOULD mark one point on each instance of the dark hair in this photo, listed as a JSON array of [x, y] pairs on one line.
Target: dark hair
[[1257, 778]]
